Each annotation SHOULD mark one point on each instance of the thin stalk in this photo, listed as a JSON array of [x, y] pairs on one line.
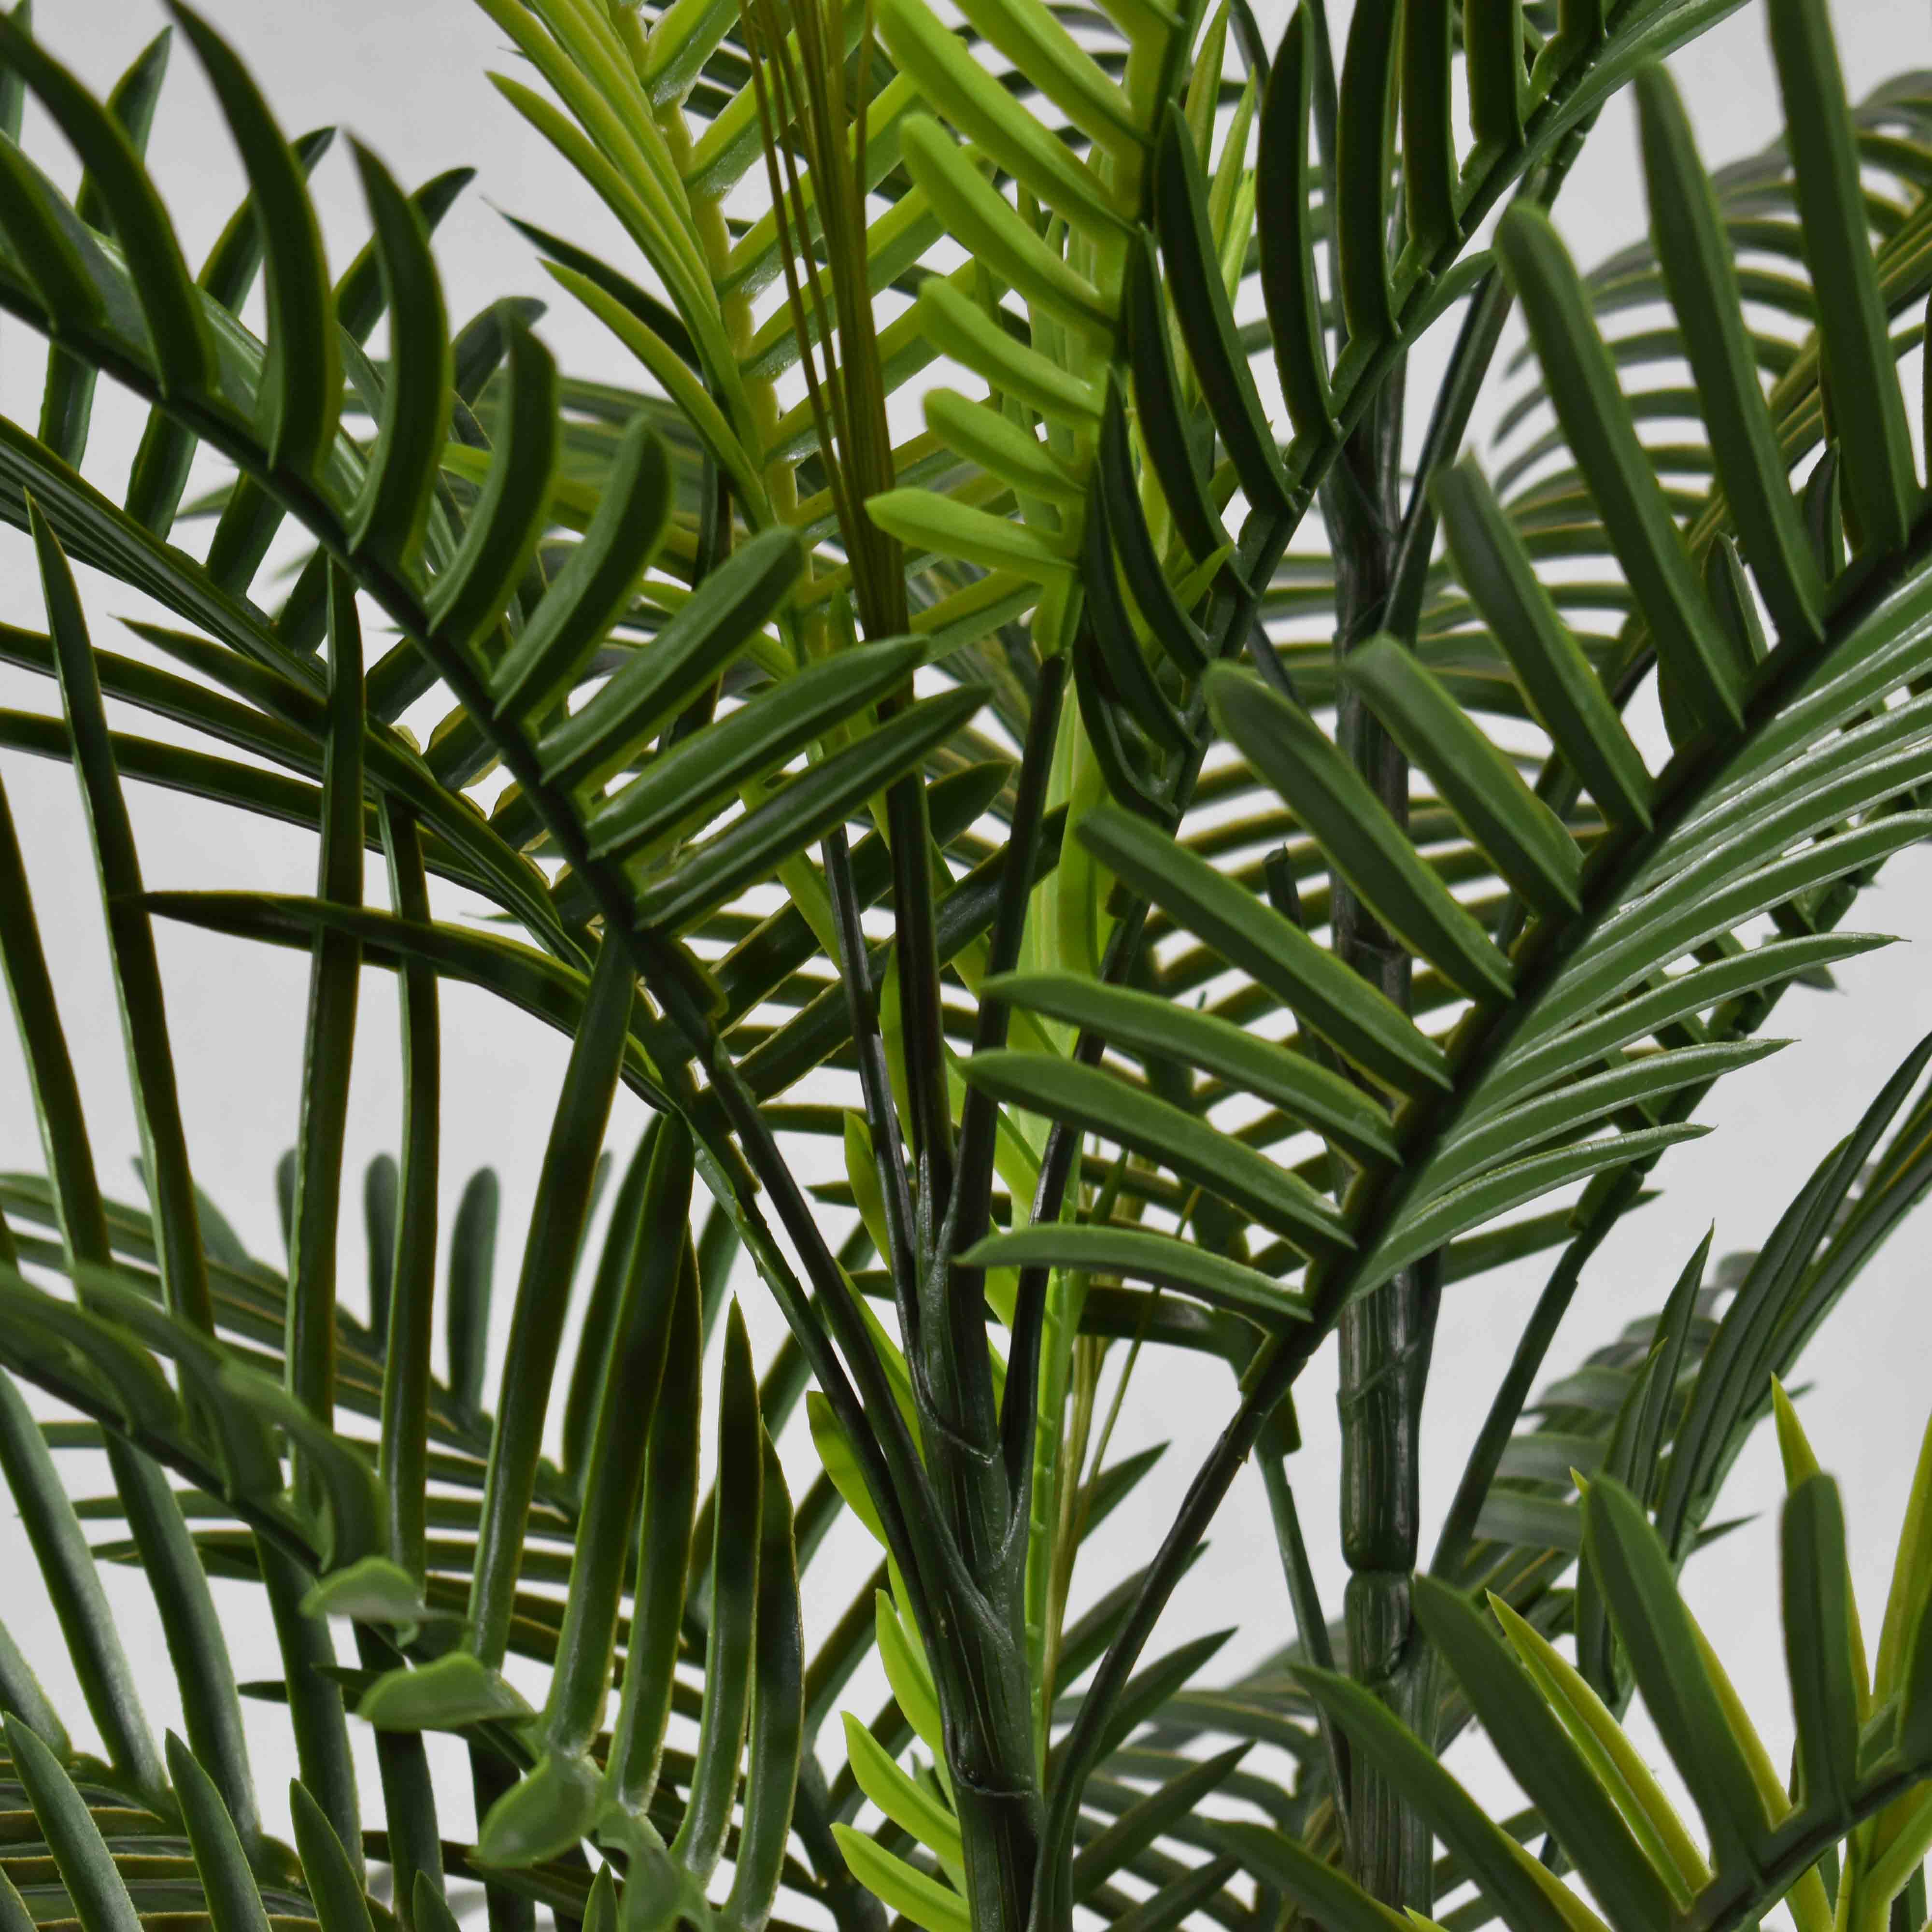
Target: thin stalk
[[1383, 1337], [1311, 1622], [874, 1083]]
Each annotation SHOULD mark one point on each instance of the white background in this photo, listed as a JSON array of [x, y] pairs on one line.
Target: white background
[[406, 76]]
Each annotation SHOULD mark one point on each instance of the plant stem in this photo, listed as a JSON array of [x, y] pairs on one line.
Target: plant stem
[[1383, 1337]]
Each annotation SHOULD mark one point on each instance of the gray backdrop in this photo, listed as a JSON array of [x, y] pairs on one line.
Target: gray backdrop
[[408, 78]]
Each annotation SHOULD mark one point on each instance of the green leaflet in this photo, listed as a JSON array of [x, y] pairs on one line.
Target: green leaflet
[[502, 535], [1819, 1644], [527, 978], [1568, 699], [136, 968], [957, 326], [1619, 1766], [234, 1902], [361, 297], [1030, 36], [729, 1653], [1523, 1890], [1140, 1825], [1141, 1255], [80, 1854], [557, 1223], [1118, 501], [1164, 426], [66, 273], [1283, 197], [1430, 165], [1364, 137], [1148, 1023], [776, 1742], [1520, 836], [1703, 987], [927, 1903], [1544, 1760], [1175, 1900], [410, 1252], [689, 780], [1492, 38], [924, 521], [1596, 421], [975, 214], [1199, 299], [1511, 1185], [1697, 269], [177, 336], [960, 88], [1323, 1888], [335, 961], [302, 379], [1661, 1642], [1334, 802], [1875, 447], [982, 434], [586, 596], [390, 514], [544, 1813], [68, 1570], [910, 1805], [701, 640], [1150, 1688], [341, 1904], [1509, 1133], [67, 401], [1247, 933], [804, 809], [1113, 651], [1096, 1102], [472, 1249]]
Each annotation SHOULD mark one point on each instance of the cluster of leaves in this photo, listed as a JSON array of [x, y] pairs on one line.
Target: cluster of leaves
[[1057, 970]]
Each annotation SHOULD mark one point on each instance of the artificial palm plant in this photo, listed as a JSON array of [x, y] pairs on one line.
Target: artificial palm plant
[[1191, 907]]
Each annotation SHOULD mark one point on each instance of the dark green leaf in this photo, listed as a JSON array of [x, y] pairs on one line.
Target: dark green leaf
[[302, 382], [729, 1653], [136, 968], [1141, 1254], [1596, 422], [1364, 137], [1324, 993], [595, 584], [1696, 257], [1819, 1646], [1543, 1760], [1868, 412], [1148, 1023], [1517, 831], [1661, 1642], [536, 1321], [1284, 200], [1096, 1102], [1568, 698], [691, 778], [501, 537], [177, 335], [390, 513], [802, 810], [80, 1854], [1335, 805], [1199, 298], [234, 1901], [703, 638]]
